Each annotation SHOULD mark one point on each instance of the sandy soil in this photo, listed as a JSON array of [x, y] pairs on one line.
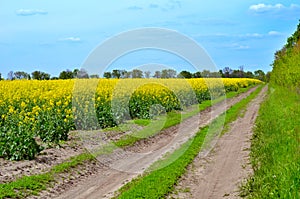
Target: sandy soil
[[10, 170], [123, 165], [220, 174]]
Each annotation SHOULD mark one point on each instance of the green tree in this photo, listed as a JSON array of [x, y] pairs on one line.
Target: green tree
[[67, 74], [249, 74], [22, 75], [185, 74], [205, 73], [75, 72], [168, 73], [197, 74], [268, 76], [259, 74], [147, 74], [157, 74], [38, 75], [227, 72], [107, 75], [137, 73], [94, 76], [116, 74]]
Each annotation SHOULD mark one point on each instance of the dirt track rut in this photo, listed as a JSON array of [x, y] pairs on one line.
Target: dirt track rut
[[123, 165], [220, 174]]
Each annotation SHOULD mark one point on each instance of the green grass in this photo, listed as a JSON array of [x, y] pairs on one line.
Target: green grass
[[159, 182], [32, 185], [275, 151], [173, 118]]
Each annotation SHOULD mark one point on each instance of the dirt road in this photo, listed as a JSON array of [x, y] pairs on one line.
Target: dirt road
[[219, 174], [123, 165]]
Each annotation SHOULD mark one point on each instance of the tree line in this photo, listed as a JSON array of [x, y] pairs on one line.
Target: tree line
[[39, 75], [226, 72]]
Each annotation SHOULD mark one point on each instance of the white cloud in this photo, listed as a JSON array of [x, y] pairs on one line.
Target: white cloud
[[30, 12], [252, 35], [274, 33], [71, 39], [263, 7], [237, 46], [276, 10], [245, 36]]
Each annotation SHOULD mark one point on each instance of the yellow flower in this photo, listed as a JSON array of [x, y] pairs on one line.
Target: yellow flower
[[23, 104], [11, 110]]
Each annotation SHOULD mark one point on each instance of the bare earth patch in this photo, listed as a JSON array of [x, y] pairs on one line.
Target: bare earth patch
[[10, 170], [220, 174]]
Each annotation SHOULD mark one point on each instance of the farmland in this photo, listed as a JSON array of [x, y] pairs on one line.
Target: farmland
[[39, 113]]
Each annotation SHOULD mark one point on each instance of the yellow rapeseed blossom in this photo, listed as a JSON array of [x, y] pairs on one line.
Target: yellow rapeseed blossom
[[47, 104]]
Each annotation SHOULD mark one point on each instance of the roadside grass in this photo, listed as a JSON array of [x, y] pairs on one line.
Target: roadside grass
[[275, 150], [158, 183], [32, 185]]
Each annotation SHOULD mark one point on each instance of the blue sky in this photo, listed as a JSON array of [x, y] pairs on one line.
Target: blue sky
[[52, 36]]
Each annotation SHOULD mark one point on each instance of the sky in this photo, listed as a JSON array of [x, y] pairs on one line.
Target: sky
[[53, 36]]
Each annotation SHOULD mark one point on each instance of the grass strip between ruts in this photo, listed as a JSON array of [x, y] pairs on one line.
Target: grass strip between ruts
[[158, 183]]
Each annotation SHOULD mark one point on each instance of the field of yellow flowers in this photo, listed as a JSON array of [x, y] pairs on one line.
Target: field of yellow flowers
[[36, 112]]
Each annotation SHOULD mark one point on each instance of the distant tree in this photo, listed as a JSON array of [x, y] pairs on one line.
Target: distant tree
[[0, 76], [168, 73], [67, 74], [268, 76], [94, 76], [107, 75], [147, 74], [157, 74], [205, 73], [227, 71], [235, 74], [136, 73], [221, 73], [116, 74], [38, 75], [54, 78], [127, 74], [197, 75], [241, 71], [10, 75], [82, 74], [185, 74], [215, 74], [75, 72], [249, 74], [259, 74], [21, 75], [123, 73]]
